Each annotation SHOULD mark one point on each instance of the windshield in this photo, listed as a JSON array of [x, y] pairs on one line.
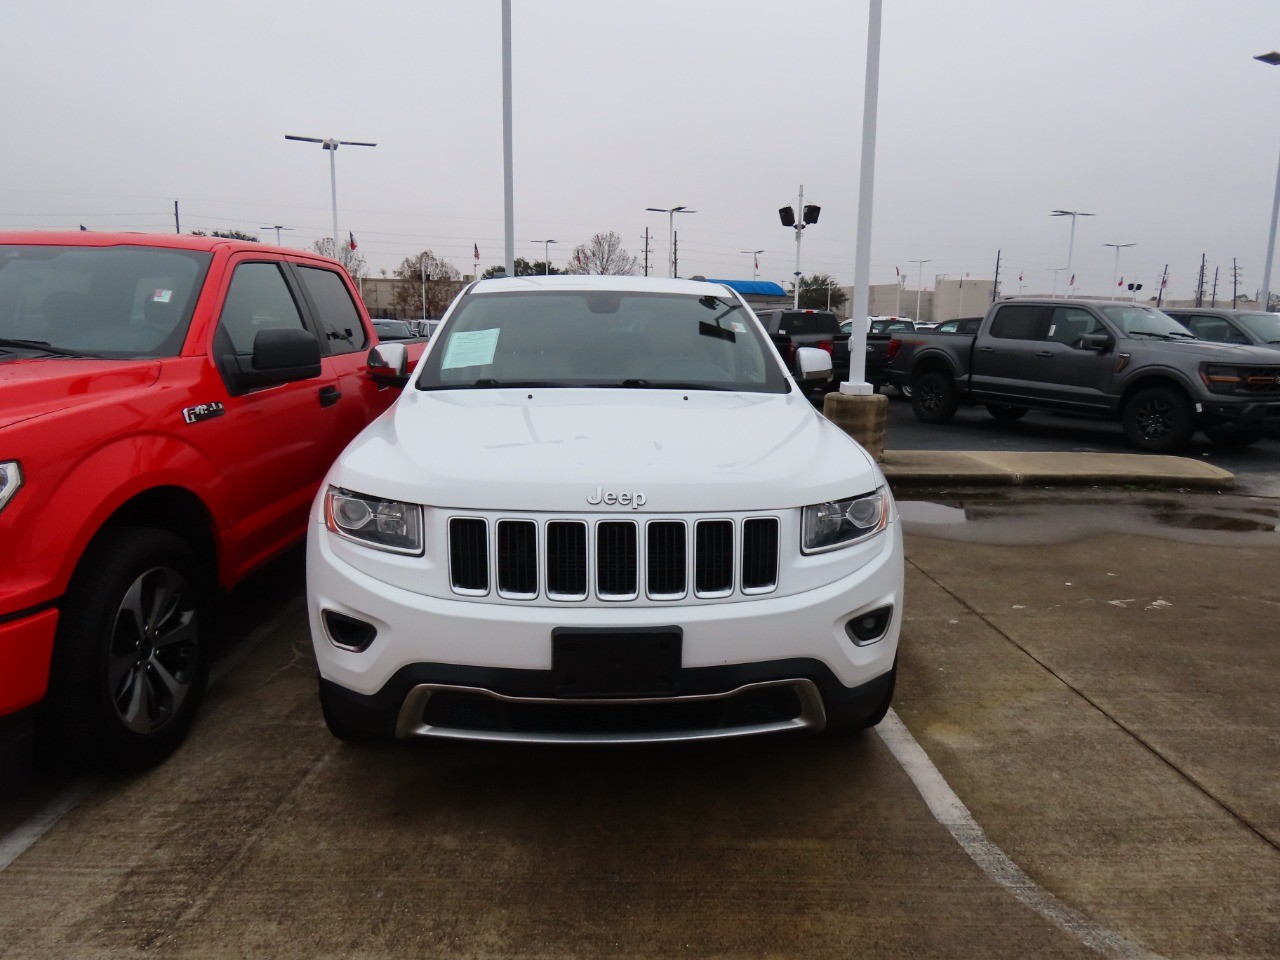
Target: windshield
[[1138, 321], [96, 301], [393, 329], [599, 338], [1264, 326]]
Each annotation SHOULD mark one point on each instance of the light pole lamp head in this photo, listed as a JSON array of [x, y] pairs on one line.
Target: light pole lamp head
[[787, 216], [1272, 58], [811, 212]]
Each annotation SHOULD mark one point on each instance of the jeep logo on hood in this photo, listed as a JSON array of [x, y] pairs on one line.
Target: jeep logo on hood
[[625, 498]]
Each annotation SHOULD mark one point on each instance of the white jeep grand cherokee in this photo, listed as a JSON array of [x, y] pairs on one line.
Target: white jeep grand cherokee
[[602, 511]]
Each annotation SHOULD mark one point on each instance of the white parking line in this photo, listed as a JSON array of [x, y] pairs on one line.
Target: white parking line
[[950, 811], [19, 840]]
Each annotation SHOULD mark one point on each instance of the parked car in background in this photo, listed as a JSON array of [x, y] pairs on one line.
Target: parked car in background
[[811, 328], [960, 325], [603, 512], [168, 407], [389, 330], [1119, 361], [1230, 326]]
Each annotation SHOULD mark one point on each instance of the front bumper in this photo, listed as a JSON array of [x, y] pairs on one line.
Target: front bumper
[[1260, 414], [748, 666]]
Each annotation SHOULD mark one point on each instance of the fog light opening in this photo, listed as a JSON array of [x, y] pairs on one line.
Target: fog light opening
[[870, 626], [348, 632]]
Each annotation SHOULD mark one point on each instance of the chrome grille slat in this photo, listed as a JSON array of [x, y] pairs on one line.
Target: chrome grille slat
[[664, 559]]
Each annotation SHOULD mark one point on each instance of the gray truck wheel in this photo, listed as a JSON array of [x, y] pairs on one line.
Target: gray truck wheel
[[131, 656], [934, 398], [1158, 420]]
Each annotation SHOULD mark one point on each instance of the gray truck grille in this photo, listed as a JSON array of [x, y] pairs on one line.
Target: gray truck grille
[[615, 560]]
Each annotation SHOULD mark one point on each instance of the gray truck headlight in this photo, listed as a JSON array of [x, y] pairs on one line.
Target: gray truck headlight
[[10, 481], [838, 523], [382, 524]]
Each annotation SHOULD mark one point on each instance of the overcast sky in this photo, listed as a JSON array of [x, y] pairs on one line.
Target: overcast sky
[[1150, 114]]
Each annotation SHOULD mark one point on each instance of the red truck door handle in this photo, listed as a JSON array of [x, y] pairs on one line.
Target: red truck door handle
[[329, 396]]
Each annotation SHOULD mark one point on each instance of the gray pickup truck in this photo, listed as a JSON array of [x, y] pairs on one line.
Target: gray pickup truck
[[1106, 359]]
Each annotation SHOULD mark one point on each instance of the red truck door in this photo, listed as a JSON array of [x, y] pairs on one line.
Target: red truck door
[[273, 444]]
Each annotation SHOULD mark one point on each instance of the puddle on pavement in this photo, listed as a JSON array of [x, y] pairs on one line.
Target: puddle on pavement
[[1040, 516]]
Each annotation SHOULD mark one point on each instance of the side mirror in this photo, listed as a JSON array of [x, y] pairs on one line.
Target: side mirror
[[389, 365], [279, 356], [1098, 342], [813, 365]]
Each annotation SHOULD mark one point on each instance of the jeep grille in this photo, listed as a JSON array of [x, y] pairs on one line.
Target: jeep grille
[[613, 560]]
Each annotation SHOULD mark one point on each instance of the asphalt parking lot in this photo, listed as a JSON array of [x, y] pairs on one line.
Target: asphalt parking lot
[[1091, 678]]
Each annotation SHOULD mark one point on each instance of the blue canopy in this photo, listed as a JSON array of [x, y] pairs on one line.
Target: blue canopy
[[753, 288]]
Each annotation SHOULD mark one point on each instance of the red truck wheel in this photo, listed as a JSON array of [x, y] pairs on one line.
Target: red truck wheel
[[131, 657]]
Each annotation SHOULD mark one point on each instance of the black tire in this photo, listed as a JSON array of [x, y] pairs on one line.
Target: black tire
[[1006, 412], [1158, 420], [131, 657], [934, 398], [904, 392], [1235, 436]]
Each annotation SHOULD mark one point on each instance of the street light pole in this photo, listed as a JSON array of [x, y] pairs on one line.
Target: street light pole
[[332, 145], [546, 257], [1115, 271], [1072, 242], [422, 269], [919, 283], [1272, 59], [277, 228], [671, 233], [755, 261]]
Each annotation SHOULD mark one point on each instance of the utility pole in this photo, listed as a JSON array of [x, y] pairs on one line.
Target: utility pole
[[1164, 278], [996, 284], [1235, 282], [646, 251], [177, 227], [1200, 283], [1214, 304], [675, 253]]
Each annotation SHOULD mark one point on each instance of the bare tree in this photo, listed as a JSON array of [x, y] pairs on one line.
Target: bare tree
[[413, 270], [603, 255], [353, 260]]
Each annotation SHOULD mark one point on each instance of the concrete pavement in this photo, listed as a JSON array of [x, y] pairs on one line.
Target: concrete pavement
[[937, 468]]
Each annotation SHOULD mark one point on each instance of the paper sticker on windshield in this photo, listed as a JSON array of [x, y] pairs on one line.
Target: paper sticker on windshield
[[473, 348], [162, 296], [739, 326]]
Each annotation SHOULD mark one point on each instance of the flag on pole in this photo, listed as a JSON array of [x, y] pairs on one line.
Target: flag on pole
[[1073, 281], [476, 247], [757, 263], [351, 239], [1019, 277], [897, 272], [83, 227], [1121, 283]]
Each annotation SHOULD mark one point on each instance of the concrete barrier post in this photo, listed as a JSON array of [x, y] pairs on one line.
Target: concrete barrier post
[[861, 417]]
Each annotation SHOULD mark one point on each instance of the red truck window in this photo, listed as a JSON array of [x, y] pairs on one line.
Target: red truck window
[[258, 299], [339, 319]]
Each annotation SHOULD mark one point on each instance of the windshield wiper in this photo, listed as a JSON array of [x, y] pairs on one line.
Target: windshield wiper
[[490, 382], [661, 384], [43, 346]]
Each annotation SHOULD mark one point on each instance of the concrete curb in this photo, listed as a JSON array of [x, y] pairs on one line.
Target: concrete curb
[[933, 468]]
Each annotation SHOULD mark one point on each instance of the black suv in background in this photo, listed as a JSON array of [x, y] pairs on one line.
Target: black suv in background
[[810, 328]]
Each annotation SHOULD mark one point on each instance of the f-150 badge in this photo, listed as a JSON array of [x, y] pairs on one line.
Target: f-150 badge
[[203, 411]]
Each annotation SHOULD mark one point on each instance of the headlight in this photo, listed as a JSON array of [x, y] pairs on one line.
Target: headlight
[[10, 481], [839, 523], [1220, 379], [382, 524]]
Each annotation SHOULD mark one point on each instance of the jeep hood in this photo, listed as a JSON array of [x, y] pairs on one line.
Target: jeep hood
[[551, 449], [40, 386]]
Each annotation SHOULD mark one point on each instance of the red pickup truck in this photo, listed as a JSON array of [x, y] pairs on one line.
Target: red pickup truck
[[168, 408]]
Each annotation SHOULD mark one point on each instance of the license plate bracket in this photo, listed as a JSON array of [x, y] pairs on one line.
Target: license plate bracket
[[616, 663]]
